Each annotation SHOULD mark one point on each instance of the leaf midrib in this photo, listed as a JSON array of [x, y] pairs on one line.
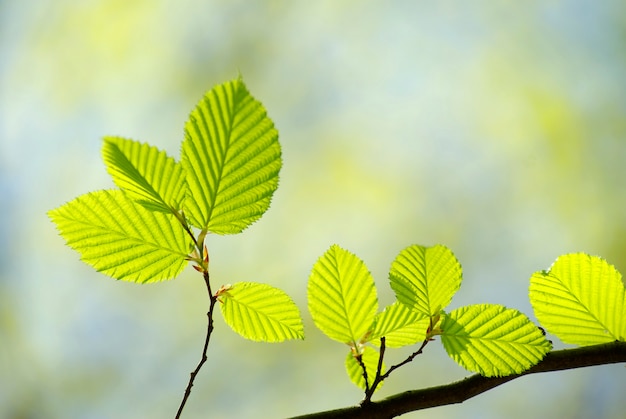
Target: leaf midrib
[[108, 230], [224, 153]]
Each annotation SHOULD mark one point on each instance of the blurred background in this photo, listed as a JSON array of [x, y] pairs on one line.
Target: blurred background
[[495, 128]]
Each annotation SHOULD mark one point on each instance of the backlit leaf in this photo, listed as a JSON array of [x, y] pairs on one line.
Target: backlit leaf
[[231, 157], [581, 300], [260, 312], [342, 296], [425, 278], [400, 326], [145, 173], [492, 340], [121, 238], [369, 356]]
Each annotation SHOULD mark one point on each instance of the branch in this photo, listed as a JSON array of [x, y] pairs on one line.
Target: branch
[[458, 392]]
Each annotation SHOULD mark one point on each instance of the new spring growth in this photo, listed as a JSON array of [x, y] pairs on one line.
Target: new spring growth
[[201, 263], [433, 327], [222, 291]]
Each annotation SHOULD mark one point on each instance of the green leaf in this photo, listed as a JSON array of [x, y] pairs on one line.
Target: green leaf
[[260, 312], [123, 239], [425, 278], [342, 296], [492, 340], [581, 300], [231, 157], [145, 173], [400, 326], [369, 357]]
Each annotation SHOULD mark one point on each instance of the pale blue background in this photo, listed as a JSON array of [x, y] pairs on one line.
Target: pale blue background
[[496, 128]]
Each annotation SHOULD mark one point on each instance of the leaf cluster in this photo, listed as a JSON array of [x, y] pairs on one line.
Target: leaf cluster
[[155, 224], [580, 300]]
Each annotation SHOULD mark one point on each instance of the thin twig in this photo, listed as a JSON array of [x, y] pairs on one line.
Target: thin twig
[[369, 392], [359, 359], [192, 377], [202, 259], [407, 360], [381, 355], [381, 377]]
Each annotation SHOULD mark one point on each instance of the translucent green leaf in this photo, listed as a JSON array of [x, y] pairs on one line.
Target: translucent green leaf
[[121, 238], [231, 157], [492, 340], [581, 300], [355, 370], [260, 312], [400, 326], [425, 278], [145, 173], [342, 296]]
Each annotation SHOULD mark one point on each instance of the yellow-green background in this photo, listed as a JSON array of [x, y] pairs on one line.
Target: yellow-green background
[[497, 128]]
